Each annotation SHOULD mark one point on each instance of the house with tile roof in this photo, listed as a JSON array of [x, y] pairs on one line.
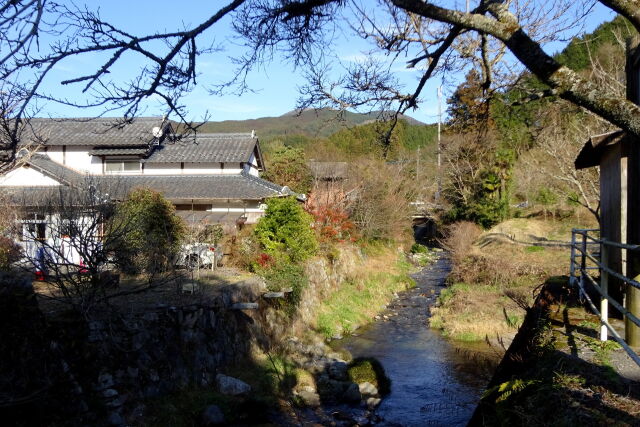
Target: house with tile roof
[[213, 178]]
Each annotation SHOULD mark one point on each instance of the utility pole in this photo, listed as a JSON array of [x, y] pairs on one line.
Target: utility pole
[[439, 150]]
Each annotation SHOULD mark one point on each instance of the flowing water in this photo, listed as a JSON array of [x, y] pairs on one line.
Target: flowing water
[[434, 382]]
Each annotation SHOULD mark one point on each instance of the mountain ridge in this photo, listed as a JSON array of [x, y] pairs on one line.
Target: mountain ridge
[[311, 123]]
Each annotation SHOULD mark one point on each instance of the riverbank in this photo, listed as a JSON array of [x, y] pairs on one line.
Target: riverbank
[[557, 357], [375, 281], [495, 275]]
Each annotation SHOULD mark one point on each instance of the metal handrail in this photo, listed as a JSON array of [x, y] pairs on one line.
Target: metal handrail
[[601, 267], [614, 333], [579, 273]]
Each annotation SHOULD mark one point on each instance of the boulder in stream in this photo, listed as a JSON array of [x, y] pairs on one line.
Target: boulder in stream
[[368, 389]]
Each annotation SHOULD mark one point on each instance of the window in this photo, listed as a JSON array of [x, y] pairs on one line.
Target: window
[[34, 231], [121, 166]]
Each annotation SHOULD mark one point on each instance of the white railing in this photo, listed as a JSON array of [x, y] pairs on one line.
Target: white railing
[[589, 254]]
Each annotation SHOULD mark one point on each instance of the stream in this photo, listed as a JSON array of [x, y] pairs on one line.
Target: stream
[[433, 381]]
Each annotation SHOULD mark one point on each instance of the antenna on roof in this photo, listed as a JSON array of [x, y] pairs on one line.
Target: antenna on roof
[[157, 131], [253, 133]]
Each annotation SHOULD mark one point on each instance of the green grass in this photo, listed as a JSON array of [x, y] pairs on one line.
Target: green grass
[[357, 301], [532, 249], [513, 320], [602, 349], [589, 325], [467, 337], [449, 292]]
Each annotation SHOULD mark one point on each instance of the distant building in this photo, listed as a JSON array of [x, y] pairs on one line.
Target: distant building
[[330, 183]]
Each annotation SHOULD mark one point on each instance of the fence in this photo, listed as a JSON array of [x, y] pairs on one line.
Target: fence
[[589, 254]]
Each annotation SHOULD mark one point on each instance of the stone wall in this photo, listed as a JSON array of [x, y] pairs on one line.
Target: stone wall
[[112, 363], [324, 277], [157, 352]]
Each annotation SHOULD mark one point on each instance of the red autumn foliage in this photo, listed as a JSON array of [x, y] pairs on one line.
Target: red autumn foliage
[[265, 260], [332, 223]]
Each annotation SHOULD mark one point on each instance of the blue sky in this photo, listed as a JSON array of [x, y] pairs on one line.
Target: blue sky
[[275, 84]]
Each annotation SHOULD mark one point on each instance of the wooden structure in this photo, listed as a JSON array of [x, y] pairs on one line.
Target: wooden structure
[[633, 193], [618, 156]]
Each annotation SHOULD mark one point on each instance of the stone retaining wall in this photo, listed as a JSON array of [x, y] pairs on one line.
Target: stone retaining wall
[[116, 363]]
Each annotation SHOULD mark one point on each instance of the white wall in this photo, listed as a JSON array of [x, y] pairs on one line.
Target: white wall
[[202, 168], [26, 176], [78, 158], [251, 166], [55, 153]]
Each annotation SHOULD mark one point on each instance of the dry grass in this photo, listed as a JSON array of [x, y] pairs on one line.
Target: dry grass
[[491, 283], [475, 312], [459, 239], [528, 229]]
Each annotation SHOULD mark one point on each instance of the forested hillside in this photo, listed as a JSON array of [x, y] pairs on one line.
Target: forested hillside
[[517, 147], [310, 123]]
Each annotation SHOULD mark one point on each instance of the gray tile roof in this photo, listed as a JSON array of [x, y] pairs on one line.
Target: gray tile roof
[[202, 187], [197, 187], [34, 196], [211, 147], [127, 151], [91, 132]]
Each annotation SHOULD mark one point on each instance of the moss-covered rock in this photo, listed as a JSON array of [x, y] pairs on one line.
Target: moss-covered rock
[[369, 369]]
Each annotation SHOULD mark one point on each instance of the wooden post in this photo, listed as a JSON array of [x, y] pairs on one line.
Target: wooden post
[[632, 297]]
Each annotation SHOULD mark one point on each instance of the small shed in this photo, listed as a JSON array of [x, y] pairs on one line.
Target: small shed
[[612, 153], [618, 156]]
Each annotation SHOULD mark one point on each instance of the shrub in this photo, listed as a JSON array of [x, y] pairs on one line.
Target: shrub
[[459, 238], [285, 231], [333, 223], [154, 233], [417, 248], [546, 196], [285, 275], [210, 233], [10, 253]]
